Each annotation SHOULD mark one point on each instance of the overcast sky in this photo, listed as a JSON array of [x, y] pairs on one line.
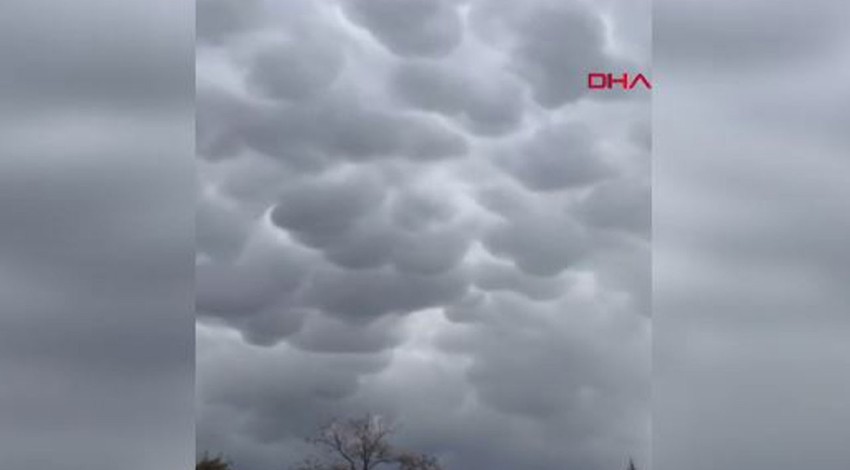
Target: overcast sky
[[417, 209], [751, 368], [96, 208]]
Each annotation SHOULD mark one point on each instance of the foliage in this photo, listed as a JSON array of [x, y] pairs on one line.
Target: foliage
[[213, 463]]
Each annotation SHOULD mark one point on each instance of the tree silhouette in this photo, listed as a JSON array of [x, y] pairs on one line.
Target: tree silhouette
[[632, 465], [213, 463], [418, 462], [362, 444]]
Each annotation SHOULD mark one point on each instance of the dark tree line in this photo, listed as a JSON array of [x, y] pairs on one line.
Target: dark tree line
[[213, 463], [354, 444]]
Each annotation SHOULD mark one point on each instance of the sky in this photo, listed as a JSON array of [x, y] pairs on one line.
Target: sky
[[418, 209], [422, 212], [751, 363], [96, 235]]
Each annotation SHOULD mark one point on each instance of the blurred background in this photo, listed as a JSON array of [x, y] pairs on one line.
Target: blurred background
[[751, 213], [96, 235]]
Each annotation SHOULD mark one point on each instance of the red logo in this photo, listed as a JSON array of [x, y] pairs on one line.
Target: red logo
[[607, 81]]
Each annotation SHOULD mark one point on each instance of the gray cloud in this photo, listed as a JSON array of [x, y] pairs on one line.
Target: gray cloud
[[501, 276], [619, 205], [477, 102], [296, 71], [320, 212], [217, 20], [377, 292], [553, 45], [390, 221], [542, 244], [349, 128], [556, 157], [416, 28]]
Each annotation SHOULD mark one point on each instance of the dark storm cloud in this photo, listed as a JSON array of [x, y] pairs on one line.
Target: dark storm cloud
[[221, 229], [541, 243], [217, 20], [327, 334], [351, 222], [500, 276], [261, 274], [556, 157], [485, 106], [415, 28], [321, 211], [358, 294], [750, 190], [336, 125], [544, 62], [296, 70], [505, 381], [216, 124], [619, 205], [95, 247], [317, 380], [553, 46], [390, 221]]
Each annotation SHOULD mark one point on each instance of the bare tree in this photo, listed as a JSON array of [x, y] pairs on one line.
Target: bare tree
[[212, 463], [362, 444], [418, 462]]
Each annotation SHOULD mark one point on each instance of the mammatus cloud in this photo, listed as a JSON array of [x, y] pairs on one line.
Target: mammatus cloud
[[416, 209], [556, 157], [420, 28], [482, 104]]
